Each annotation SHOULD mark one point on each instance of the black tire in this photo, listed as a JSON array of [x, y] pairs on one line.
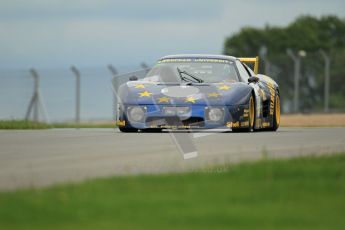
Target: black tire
[[251, 117], [156, 130], [276, 114], [128, 130]]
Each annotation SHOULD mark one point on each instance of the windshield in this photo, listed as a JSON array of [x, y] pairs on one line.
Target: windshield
[[193, 70]]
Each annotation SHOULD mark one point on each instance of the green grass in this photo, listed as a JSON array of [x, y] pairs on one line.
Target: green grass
[[301, 193], [83, 125], [22, 124]]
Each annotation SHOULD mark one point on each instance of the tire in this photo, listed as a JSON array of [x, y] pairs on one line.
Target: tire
[[128, 130], [251, 117], [156, 130], [276, 114]]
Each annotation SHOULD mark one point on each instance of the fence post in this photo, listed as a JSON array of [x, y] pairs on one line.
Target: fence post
[[77, 105], [263, 55], [113, 82], [297, 74], [327, 60], [35, 103]]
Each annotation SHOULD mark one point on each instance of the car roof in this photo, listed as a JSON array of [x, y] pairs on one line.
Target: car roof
[[209, 56]]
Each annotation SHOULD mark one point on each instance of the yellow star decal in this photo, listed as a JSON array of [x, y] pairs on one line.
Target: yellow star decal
[[213, 94], [190, 99], [223, 87], [139, 86], [145, 94], [163, 99]]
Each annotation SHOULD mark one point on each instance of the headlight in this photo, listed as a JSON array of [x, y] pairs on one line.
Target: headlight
[[215, 114], [136, 113]]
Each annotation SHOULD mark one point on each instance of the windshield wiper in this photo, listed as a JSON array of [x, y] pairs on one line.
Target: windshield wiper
[[194, 78]]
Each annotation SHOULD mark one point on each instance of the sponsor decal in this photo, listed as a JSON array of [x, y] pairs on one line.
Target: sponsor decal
[[214, 94], [244, 123], [262, 94], [272, 97], [211, 60], [139, 86], [202, 60], [233, 124], [175, 60], [173, 126], [245, 112], [265, 124], [258, 122]]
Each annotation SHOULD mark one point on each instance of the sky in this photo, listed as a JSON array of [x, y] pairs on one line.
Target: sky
[[85, 33]]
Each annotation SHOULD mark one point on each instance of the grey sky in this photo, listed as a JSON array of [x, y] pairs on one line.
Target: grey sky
[[47, 34]]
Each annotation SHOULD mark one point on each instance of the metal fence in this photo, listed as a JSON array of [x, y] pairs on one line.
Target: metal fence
[[89, 94], [59, 95]]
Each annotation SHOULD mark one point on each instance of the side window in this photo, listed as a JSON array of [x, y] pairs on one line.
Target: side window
[[243, 72]]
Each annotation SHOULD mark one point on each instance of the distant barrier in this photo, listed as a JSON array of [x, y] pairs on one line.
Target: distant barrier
[[89, 94], [60, 95]]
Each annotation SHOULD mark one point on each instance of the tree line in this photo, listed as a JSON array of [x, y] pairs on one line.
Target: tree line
[[306, 35]]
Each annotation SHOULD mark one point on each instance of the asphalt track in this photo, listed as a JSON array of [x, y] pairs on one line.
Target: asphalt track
[[45, 157]]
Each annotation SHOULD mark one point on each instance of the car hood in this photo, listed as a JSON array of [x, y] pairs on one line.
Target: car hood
[[141, 92]]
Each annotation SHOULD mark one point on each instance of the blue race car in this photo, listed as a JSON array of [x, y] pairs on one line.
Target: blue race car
[[200, 92]]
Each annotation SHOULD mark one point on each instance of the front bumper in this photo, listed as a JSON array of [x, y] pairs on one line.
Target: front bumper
[[197, 118]]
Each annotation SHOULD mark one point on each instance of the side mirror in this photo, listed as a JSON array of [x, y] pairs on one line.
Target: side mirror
[[253, 79], [133, 78]]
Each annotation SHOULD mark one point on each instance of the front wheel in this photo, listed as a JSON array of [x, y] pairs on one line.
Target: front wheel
[[251, 117]]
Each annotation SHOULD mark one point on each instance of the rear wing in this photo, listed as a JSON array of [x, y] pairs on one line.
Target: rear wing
[[254, 60]]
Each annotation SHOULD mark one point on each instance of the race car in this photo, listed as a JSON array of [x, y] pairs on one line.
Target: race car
[[200, 92]]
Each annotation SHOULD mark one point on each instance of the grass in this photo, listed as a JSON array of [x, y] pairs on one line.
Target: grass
[[22, 124], [301, 193], [83, 125]]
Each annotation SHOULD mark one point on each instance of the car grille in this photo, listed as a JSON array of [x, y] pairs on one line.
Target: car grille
[[193, 122]]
